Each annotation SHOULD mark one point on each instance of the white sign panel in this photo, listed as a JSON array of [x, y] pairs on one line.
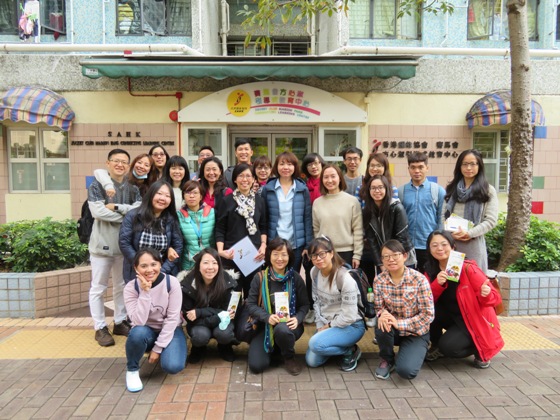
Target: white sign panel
[[278, 102]]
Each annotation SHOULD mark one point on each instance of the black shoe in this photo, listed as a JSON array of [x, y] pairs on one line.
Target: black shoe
[[104, 337], [196, 355], [226, 352], [122, 329], [292, 366], [350, 360]]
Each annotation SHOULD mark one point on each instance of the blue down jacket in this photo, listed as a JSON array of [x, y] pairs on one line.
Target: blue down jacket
[[301, 212]]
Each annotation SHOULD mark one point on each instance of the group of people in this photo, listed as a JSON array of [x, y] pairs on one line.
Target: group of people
[[155, 223]]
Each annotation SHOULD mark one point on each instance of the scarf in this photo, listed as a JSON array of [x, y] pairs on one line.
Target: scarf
[[314, 187], [246, 208], [287, 282], [473, 209]]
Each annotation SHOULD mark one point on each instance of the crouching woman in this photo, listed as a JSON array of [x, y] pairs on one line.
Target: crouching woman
[[153, 304], [282, 327], [206, 292]]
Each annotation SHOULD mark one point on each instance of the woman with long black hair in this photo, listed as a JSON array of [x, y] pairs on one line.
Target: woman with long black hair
[[206, 292], [152, 225], [470, 196]]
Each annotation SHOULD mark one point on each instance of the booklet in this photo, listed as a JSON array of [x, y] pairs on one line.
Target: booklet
[[454, 222], [234, 301], [244, 253], [454, 265], [282, 305]]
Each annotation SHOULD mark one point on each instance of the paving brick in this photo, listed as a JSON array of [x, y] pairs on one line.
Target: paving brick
[[333, 394], [208, 396], [448, 397], [379, 400], [305, 415], [424, 414], [169, 407], [63, 413], [401, 407], [423, 402], [401, 393], [235, 402], [166, 393], [477, 409], [327, 409], [526, 411], [452, 413], [125, 404], [307, 401], [288, 405], [48, 408], [266, 395], [140, 411], [77, 396], [216, 410], [357, 404], [25, 413], [384, 413], [87, 407]]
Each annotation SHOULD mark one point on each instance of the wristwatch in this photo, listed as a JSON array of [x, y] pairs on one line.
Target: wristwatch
[[116, 208]]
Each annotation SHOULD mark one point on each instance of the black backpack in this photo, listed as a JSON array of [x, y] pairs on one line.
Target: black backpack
[[85, 224]]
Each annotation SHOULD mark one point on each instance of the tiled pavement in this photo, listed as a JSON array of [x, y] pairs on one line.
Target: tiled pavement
[[523, 382]]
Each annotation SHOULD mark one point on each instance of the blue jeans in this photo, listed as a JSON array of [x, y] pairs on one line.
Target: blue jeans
[[142, 339], [333, 342], [412, 351]]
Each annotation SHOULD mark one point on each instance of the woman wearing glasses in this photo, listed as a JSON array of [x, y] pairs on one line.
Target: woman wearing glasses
[[312, 166], [160, 157], [470, 196], [241, 214], [405, 308], [339, 323], [464, 309], [377, 164], [384, 219], [197, 222]]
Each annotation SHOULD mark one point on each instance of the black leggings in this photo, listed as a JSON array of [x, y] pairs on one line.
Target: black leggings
[[284, 341], [456, 342]]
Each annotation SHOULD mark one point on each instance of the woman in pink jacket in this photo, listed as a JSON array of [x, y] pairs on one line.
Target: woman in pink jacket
[[464, 309], [153, 304]]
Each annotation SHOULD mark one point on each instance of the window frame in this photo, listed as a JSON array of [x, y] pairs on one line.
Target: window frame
[[141, 18], [397, 28], [39, 160], [501, 141], [45, 29]]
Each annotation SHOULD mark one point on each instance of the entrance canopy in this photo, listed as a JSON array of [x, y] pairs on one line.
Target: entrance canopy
[[35, 105], [260, 68], [495, 109]]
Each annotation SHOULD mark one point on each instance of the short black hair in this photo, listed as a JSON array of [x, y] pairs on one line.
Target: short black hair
[[276, 244], [241, 141], [117, 152], [206, 148], [417, 157], [352, 149]]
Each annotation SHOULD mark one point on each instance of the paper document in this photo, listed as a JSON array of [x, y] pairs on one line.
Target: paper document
[[244, 256]]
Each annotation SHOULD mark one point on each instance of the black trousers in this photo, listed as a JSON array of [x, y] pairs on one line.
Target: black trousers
[[456, 342], [284, 342]]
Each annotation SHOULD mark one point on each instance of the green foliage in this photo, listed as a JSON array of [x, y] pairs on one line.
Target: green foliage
[[293, 11], [41, 245], [541, 251]]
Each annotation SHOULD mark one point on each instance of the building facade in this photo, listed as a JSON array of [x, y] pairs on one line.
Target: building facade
[[92, 76]]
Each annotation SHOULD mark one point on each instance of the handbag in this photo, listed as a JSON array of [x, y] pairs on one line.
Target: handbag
[[246, 325], [499, 308]]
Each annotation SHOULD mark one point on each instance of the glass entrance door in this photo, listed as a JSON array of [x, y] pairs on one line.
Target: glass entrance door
[[272, 144]]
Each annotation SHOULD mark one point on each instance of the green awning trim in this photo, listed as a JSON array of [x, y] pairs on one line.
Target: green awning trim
[[261, 69]]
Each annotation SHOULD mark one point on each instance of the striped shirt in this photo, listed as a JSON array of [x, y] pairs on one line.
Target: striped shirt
[[410, 302]]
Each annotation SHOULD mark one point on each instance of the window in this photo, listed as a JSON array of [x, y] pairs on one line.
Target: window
[[52, 16], [378, 19], [278, 46], [558, 23], [154, 17], [39, 160], [333, 141], [493, 146], [487, 19]]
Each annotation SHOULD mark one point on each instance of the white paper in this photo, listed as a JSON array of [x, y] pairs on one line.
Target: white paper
[[454, 222], [244, 253], [454, 265], [282, 305], [234, 301]]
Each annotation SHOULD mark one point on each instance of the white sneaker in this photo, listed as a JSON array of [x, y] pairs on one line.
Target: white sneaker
[[310, 317], [133, 381]]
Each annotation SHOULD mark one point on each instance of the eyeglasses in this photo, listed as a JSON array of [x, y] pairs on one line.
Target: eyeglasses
[[319, 255], [119, 162], [392, 257], [469, 164], [205, 156], [354, 159], [380, 188], [245, 176], [435, 245], [263, 168], [158, 154], [192, 192], [376, 166], [311, 164]]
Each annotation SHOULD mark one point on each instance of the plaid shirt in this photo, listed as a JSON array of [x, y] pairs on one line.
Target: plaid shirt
[[410, 302]]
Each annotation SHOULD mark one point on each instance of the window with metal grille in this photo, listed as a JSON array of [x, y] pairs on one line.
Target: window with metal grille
[[378, 19], [493, 146], [154, 17]]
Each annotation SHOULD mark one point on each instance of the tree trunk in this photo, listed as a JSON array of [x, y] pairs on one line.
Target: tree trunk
[[521, 141]]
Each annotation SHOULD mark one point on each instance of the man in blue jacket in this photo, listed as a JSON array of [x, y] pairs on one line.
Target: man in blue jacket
[[423, 202]]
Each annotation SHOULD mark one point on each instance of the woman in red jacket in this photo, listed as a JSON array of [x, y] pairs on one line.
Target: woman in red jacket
[[464, 309]]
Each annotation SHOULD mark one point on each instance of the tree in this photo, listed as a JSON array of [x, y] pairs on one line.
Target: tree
[[521, 142]]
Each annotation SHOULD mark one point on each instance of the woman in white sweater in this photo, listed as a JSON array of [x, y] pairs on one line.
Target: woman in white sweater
[[338, 215], [335, 295]]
